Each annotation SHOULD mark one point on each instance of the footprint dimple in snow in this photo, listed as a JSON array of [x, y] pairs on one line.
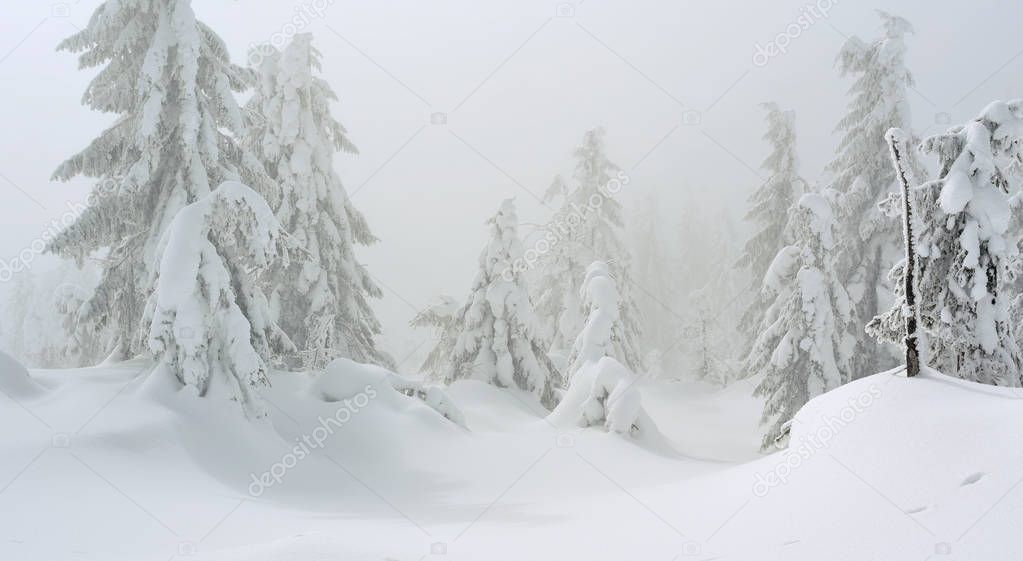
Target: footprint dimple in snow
[[970, 480], [916, 510]]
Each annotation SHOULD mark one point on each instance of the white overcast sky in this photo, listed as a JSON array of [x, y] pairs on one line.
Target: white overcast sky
[[519, 85]]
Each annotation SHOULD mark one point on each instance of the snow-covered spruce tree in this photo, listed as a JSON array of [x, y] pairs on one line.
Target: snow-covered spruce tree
[[603, 391], [441, 318], [802, 348], [499, 337], [322, 299], [168, 80], [601, 300], [42, 318], [587, 228], [770, 205], [654, 270], [963, 252], [707, 343], [83, 344], [210, 322], [870, 240], [33, 332]]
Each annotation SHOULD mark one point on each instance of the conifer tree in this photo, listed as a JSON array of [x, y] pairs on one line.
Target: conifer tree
[[963, 253], [654, 267], [323, 298], [600, 297], [707, 342], [209, 321], [802, 349], [770, 205], [870, 239], [589, 226], [441, 318], [168, 80], [603, 391], [499, 337]]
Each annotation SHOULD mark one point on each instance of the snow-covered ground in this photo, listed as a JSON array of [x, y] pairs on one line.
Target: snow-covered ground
[[105, 464]]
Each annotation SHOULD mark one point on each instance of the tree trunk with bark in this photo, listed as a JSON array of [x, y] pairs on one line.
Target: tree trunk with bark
[[897, 142]]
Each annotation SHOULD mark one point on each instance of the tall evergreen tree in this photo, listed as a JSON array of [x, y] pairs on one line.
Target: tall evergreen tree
[[802, 348], [588, 228], [167, 78], [499, 337], [653, 270], [963, 253], [323, 298], [770, 205], [870, 240]]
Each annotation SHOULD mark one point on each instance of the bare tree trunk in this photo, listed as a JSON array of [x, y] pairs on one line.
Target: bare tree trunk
[[896, 141]]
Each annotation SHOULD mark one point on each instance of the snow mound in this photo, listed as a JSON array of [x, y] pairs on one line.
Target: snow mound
[[887, 465], [346, 379], [900, 422], [885, 468], [604, 394], [15, 381]]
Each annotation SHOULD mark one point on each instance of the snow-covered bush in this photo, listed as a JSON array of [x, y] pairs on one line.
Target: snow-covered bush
[[210, 323], [499, 338], [963, 252], [322, 298], [802, 349], [604, 394], [168, 80]]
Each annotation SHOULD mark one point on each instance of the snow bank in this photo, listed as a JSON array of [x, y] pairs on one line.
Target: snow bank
[[346, 379], [883, 468], [15, 380], [887, 467]]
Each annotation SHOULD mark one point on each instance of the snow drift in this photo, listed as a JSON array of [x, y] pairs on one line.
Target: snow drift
[[15, 380], [882, 468]]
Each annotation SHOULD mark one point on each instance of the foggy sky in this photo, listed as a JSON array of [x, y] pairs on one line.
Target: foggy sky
[[519, 82]]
